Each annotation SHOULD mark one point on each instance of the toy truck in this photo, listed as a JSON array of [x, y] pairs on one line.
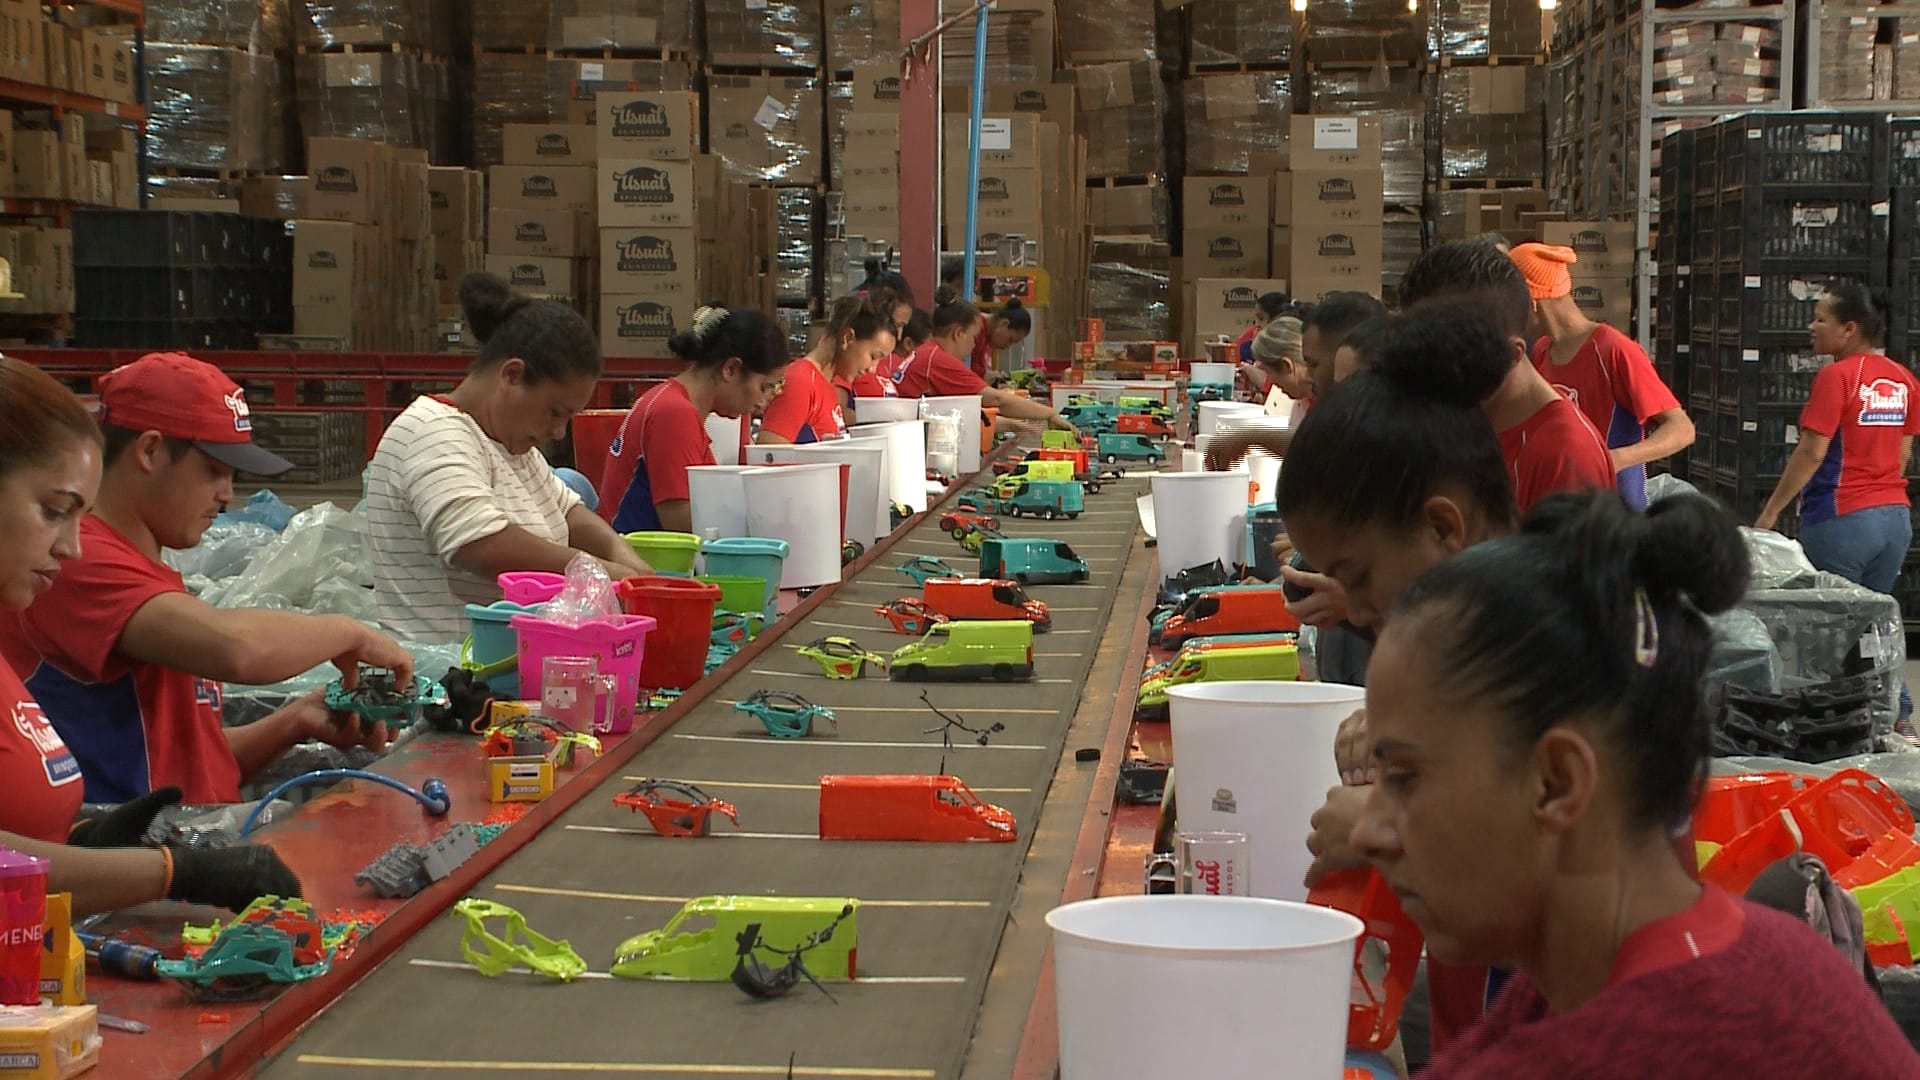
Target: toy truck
[[701, 943], [928, 808], [1032, 562], [1112, 448], [1152, 406], [1061, 471], [1246, 609], [980, 599], [1142, 424], [1000, 649], [1049, 499], [1059, 440], [1196, 663], [1092, 417]]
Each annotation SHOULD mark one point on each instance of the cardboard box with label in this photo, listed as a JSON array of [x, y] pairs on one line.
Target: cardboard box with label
[[872, 140], [1335, 142], [1335, 258], [555, 234], [1006, 196], [108, 73], [533, 187], [1053, 103], [1226, 305], [1226, 202], [1135, 210], [766, 127], [1605, 248], [641, 325], [325, 264], [1608, 300], [1226, 253], [876, 90], [652, 263], [1349, 197], [536, 276], [547, 144], [656, 193], [1011, 142], [661, 125], [347, 180]]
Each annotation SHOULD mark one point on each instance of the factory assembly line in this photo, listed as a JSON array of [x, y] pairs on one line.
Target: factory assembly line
[[715, 893]]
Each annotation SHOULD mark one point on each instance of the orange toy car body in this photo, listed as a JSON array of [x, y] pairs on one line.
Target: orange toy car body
[[676, 809], [909, 615], [958, 523], [1247, 610], [1142, 424], [1078, 457], [984, 598], [927, 808]]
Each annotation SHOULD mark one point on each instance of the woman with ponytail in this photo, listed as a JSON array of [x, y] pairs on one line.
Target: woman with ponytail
[[734, 357], [859, 333]]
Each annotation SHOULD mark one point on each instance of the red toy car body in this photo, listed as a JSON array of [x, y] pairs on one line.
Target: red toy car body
[[909, 615], [1078, 457], [958, 523], [1255, 610], [1142, 424], [983, 598], [676, 809]]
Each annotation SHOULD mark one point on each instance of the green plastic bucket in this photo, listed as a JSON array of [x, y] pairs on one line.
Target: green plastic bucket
[[738, 593], [669, 553]]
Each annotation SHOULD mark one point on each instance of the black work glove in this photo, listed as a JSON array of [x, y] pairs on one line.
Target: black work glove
[[125, 825], [230, 877]]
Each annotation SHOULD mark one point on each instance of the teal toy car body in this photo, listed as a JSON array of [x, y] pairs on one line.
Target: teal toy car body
[[1032, 562], [979, 501], [784, 715], [1048, 499], [922, 567], [1114, 448]]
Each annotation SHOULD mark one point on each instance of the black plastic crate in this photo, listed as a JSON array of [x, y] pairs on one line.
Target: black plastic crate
[[1673, 304], [132, 238], [1764, 226], [1903, 151], [1754, 448], [1706, 162], [164, 334], [1673, 362], [1744, 496], [1748, 304], [1702, 373], [1816, 149], [1775, 372], [149, 293]]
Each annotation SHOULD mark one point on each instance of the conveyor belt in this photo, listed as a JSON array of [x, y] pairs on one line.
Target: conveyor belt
[[933, 914]]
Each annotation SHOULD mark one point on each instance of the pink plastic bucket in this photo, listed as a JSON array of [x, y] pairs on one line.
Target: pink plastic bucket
[[619, 645], [530, 587]]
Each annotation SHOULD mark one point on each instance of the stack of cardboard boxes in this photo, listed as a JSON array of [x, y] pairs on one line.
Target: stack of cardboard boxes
[[1603, 274], [868, 157], [1335, 199], [540, 211], [364, 254], [457, 200], [648, 241]]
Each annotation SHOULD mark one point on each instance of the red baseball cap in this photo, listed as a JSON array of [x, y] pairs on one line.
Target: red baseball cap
[[183, 398]]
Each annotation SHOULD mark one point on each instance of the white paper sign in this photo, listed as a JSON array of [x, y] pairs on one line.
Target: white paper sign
[[1336, 133], [770, 114], [996, 134], [593, 73]]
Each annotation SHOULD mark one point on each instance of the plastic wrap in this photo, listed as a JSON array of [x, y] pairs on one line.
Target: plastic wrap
[[1019, 46], [764, 33], [321, 24], [863, 32], [1240, 32], [1237, 124], [793, 258], [1743, 654], [1400, 243], [1127, 285], [620, 24], [317, 565], [1364, 30], [1778, 561], [259, 25], [263, 507], [944, 431], [572, 81], [1393, 95], [1482, 27], [1491, 122], [796, 325], [223, 552], [1834, 629], [1094, 31], [212, 108], [1122, 109], [587, 596], [514, 25], [500, 96], [754, 142], [390, 98]]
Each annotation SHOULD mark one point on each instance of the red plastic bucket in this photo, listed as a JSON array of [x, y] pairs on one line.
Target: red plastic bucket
[[676, 655], [593, 432]]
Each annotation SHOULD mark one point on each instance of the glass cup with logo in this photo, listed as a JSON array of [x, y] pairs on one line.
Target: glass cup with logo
[[1213, 864]]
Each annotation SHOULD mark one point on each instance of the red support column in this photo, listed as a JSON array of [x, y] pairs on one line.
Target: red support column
[[920, 152]]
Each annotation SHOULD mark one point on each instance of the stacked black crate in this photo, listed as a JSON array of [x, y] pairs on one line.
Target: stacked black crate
[[1903, 331], [153, 279], [1673, 258], [1792, 203]]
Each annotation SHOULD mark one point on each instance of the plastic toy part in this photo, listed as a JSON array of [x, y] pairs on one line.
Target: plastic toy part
[[977, 501], [378, 698], [274, 941], [850, 551], [937, 809], [495, 954], [431, 794], [1374, 1016], [922, 567], [736, 628], [403, 870], [676, 809], [785, 715], [527, 735], [958, 523], [752, 975], [1032, 561], [910, 615], [962, 651], [984, 598], [841, 657], [702, 942]]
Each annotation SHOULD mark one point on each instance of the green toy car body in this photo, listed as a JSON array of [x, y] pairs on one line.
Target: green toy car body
[[701, 943], [967, 650]]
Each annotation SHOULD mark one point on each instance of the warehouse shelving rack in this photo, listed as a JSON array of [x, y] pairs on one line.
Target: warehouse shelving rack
[[1814, 94]]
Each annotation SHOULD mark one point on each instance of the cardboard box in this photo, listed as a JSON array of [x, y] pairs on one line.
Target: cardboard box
[[63, 961], [51, 1042], [547, 144], [535, 276], [6, 153], [1011, 196], [640, 325], [1280, 249], [650, 263], [457, 200], [1334, 142], [410, 195], [1010, 142], [1135, 210], [326, 265], [870, 140], [454, 257], [656, 193], [661, 125], [1226, 253], [1605, 248], [1352, 254], [38, 165], [767, 127], [109, 65], [527, 187], [519, 779], [1608, 300], [347, 180], [1226, 305], [556, 234], [60, 75], [1053, 103], [1282, 198], [1226, 202], [1352, 196], [876, 90]]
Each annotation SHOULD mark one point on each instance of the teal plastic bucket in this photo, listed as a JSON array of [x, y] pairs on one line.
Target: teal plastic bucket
[[738, 593], [491, 640], [749, 557]]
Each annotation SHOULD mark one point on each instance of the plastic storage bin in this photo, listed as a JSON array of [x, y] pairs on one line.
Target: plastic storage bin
[[619, 644], [749, 556], [669, 553], [682, 610]]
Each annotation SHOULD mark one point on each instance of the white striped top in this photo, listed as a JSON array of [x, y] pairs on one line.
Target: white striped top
[[437, 484]]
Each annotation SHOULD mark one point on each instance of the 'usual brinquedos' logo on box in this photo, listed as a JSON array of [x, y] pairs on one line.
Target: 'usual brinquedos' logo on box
[[553, 144], [1238, 298], [1225, 247], [539, 186], [642, 186], [322, 259], [639, 120], [645, 319], [886, 88], [530, 232], [993, 187], [336, 178], [1226, 195], [644, 255], [1029, 101], [1337, 246], [1588, 242], [530, 275], [1337, 189], [1589, 297]]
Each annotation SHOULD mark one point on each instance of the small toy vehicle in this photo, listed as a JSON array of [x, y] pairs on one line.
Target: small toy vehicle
[[495, 954], [939, 478], [785, 715], [1049, 499], [1032, 562], [736, 628], [379, 699], [967, 650], [924, 808], [676, 809], [1059, 440], [700, 943], [537, 736], [1269, 660], [1151, 406], [978, 501], [984, 599], [1088, 417], [909, 615], [959, 523], [274, 941], [1237, 609], [850, 552], [1175, 588], [1035, 470], [1028, 379], [1116, 447], [841, 657], [1076, 456], [971, 542], [922, 567], [1143, 424]]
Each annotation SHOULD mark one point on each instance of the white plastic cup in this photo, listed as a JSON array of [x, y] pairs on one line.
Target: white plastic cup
[[1257, 758], [1211, 508], [1241, 987]]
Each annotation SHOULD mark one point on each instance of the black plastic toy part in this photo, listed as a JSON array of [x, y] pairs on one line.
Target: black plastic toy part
[[757, 980]]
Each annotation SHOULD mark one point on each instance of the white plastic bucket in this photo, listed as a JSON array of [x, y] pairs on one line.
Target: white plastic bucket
[[968, 409], [1211, 508], [724, 433], [1214, 415], [866, 506], [906, 458], [883, 410], [719, 498], [1241, 987], [1192, 460], [799, 504], [1208, 373], [1257, 758]]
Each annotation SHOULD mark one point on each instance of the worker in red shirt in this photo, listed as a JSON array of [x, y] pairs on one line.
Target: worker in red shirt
[[915, 332], [1549, 444], [127, 663], [936, 370], [1602, 371], [733, 356], [1856, 438], [1534, 710], [1002, 330], [49, 474], [858, 333], [1268, 307]]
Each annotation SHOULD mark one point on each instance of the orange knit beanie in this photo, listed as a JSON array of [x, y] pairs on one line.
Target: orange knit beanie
[[1545, 268]]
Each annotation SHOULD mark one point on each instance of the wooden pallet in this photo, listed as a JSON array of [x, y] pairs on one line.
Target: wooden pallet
[[778, 71], [1356, 64], [688, 56], [1491, 183], [1240, 67], [364, 47], [1135, 180]]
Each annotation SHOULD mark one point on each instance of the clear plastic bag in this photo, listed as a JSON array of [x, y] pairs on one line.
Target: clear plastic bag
[[223, 552], [264, 508], [1778, 561], [588, 594], [944, 432], [317, 566]]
